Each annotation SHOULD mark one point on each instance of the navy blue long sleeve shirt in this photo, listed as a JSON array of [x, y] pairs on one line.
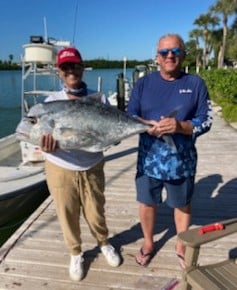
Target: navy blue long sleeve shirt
[[153, 97]]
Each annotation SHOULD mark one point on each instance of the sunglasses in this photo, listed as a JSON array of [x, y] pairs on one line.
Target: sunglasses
[[70, 66], [175, 51]]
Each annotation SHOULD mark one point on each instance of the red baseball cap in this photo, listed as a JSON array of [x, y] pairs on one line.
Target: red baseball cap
[[69, 54]]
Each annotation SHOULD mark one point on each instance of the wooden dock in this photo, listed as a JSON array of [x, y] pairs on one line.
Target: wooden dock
[[35, 257]]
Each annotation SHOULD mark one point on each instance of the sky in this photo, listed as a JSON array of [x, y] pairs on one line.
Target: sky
[[108, 29]]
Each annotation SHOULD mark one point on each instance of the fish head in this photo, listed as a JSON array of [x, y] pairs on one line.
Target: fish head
[[25, 127], [31, 129]]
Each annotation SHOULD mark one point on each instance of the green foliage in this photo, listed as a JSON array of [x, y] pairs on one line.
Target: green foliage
[[8, 65], [222, 86], [230, 113]]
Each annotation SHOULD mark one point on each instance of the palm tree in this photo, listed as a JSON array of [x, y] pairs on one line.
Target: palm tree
[[216, 43], [206, 22], [10, 58], [231, 45], [195, 34], [226, 8]]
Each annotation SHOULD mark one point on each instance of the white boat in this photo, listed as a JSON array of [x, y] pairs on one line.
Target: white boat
[[121, 96], [123, 91], [22, 179], [22, 186]]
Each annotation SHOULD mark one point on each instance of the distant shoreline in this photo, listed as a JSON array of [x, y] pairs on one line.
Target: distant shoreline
[[94, 64]]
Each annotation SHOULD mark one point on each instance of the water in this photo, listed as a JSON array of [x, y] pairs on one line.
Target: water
[[10, 93]]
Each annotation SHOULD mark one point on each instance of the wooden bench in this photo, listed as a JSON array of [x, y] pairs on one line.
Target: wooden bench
[[218, 276]]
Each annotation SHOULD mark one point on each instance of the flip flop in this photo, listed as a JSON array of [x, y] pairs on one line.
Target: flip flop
[[181, 261], [145, 257]]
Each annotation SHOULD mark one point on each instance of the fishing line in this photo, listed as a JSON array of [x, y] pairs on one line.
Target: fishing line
[[75, 23]]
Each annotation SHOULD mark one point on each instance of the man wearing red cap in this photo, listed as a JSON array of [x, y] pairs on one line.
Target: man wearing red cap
[[76, 178]]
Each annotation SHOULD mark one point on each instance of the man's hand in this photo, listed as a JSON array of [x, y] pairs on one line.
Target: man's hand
[[159, 128], [168, 125]]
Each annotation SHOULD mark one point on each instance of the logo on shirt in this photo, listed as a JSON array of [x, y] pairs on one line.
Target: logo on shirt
[[185, 91]]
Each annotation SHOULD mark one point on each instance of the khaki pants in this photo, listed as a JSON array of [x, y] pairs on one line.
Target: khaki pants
[[73, 191]]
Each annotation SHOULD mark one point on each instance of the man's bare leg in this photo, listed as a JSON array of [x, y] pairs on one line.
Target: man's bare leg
[[182, 218], [147, 215]]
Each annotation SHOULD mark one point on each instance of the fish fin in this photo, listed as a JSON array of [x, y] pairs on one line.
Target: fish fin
[[169, 140]]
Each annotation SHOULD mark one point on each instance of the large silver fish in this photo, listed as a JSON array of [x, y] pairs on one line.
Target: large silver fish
[[83, 124]]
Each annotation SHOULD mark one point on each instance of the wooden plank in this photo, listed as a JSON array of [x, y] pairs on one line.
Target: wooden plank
[[92, 282], [35, 257]]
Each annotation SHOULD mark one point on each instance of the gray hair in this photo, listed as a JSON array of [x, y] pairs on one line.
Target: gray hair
[[175, 35]]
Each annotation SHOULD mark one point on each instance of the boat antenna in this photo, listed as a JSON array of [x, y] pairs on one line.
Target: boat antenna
[[45, 30], [75, 23]]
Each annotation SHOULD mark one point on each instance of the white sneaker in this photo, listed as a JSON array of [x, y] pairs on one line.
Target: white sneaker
[[76, 268], [111, 255]]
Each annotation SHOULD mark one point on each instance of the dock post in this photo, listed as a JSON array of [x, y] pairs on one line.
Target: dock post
[[120, 92]]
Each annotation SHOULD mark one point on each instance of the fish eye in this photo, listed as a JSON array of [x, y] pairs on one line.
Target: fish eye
[[32, 120]]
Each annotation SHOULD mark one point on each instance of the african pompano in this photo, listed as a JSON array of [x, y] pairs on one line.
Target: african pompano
[[83, 124]]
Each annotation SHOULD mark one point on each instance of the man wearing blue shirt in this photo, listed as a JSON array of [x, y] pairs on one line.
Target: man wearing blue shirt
[[178, 108]]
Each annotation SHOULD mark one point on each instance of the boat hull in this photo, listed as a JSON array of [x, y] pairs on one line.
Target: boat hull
[[22, 187], [19, 204]]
